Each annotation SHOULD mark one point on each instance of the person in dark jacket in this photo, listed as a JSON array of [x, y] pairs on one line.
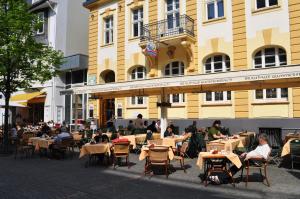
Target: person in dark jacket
[[152, 127]]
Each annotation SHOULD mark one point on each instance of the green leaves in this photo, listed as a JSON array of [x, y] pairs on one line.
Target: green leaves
[[23, 60]]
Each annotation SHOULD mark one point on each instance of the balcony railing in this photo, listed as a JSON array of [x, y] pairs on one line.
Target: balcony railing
[[168, 27]]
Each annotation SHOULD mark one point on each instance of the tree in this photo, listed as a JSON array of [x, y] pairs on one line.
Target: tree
[[23, 60]]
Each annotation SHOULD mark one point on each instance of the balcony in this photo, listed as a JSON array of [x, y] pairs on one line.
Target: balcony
[[168, 30]]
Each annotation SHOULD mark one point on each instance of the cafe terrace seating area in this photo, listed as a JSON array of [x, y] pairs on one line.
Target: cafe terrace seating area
[[163, 156]]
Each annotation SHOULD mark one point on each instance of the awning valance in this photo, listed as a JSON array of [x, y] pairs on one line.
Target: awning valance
[[284, 76], [26, 97]]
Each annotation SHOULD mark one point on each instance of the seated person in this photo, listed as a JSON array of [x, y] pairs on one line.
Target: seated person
[[61, 136], [168, 132], [262, 151], [98, 136], [130, 126], [152, 127], [214, 131]]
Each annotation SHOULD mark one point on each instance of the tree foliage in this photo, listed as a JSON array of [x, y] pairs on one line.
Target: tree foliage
[[23, 60]]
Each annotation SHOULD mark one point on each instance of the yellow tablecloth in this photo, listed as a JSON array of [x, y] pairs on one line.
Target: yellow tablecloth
[[233, 158], [230, 144], [156, 136], [286, 149], [89, 149], [130, 138], [140, 138], [171, 141], [40, 142], [145, 153]]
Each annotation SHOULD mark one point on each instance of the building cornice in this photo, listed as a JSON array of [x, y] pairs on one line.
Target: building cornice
[[90, 4]]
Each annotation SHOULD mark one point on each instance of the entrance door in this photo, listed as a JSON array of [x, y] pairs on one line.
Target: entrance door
[[107, 110]]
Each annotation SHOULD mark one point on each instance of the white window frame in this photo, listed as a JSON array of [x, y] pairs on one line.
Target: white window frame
[[263, 57], [216, 12], [139, 21], [212, 64], [171, 66], [41, 18], [267, 3], [110, 30], [214, 101], [133, 101], [278, 96], [173, 12], [182, 99]]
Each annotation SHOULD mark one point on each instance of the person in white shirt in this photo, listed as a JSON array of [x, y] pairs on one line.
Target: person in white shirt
[[263, 150]]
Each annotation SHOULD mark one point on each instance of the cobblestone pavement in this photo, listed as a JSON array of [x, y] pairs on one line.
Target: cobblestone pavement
[[42, 178]]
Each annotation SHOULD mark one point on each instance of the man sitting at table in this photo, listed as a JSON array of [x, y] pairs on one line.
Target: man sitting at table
[[214, 131], [61, 136], [262, 151], [168, 132]]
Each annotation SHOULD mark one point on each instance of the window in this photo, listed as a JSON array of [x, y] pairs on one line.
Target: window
[[270, 57], [41, 21], [177, 98], [138, 73], [137, 22], [108, 30], [272, 94], [214, 9], [217, 63], [219, 96], [265, 3], [174, 69], [173, 13]]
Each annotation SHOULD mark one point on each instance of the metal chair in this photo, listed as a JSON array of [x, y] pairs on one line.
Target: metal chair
[[121, 150], [295, 151]]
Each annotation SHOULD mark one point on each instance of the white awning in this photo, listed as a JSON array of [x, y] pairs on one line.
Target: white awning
[[284, 76]]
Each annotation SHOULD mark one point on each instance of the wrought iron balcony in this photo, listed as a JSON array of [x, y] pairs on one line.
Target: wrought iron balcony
[[167, 28]]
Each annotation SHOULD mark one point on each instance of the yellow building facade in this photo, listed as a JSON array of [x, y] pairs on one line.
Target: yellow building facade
[[195, 37]]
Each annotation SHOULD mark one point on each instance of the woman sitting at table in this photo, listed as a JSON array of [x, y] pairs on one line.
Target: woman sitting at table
[[168, 132], [214, 131]]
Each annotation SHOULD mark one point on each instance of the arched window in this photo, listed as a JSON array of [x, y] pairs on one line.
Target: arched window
[[174, 69], [269, 57], [138, 73], [217, 63]]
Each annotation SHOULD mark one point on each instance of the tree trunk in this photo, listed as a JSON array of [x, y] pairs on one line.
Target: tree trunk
[[6, 125]]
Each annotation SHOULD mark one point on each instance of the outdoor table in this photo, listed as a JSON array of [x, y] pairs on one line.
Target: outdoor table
[[145, 153], [230, 144], [131, 139], [286, 149], [171, 141], [41, 142], [156, 136], [232, 157], [76, 136], [90, 149]]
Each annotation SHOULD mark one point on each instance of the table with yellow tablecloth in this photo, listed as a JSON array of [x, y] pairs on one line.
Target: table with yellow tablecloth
[[171, 141], [90, 149], [286, 149], [41, 142], [229, 145], [131, 139], [232, 157], [145, 153]]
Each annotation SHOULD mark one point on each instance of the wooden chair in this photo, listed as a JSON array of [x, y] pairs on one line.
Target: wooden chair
[[66, 145], [215, 146], [263, 164], [216, 165], [121, 150], [158, 156], [155, 142], [24, 146], [181, 155]]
